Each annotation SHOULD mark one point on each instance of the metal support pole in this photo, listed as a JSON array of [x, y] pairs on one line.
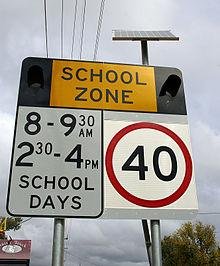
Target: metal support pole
[[144, 52], [154, 249], [156, 243], [147, 240], [58, 242], [145, 61]]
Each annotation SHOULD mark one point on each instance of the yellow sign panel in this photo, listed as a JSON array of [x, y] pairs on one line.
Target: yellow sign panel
[[103, 86]]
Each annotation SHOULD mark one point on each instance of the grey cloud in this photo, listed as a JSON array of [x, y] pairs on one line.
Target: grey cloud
[[107, 243]]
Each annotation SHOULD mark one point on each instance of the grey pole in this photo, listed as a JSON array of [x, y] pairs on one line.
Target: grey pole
[[156, 243], [145, 61], [58, 242], [147, 240], [154, 249], [144, 52]]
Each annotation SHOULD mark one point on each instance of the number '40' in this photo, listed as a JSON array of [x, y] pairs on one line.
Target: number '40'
[[142, 169]]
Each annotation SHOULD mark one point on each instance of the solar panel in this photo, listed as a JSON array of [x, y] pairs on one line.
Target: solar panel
[[125, 35]]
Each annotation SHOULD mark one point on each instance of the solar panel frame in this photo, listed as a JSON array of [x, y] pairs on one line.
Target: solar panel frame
[[126, 35]]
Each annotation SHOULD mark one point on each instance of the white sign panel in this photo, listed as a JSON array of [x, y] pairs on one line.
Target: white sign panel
[[57, 163], [148, 169]]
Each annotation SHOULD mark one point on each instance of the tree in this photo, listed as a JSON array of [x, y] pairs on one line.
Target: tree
[[12, 223], [192, 245]]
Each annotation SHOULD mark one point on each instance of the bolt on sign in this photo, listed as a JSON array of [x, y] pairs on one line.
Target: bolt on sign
[[101, 140]]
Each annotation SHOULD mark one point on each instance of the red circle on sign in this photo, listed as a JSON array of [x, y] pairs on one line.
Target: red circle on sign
[[127, 195]]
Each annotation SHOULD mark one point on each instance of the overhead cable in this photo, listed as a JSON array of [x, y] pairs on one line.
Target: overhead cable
[[215, 213], [45, 27], [82, 31], [74, 28], [99, 28], [61, 31], [24, 221]]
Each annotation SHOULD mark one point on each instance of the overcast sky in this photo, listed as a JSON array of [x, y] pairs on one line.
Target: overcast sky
[[197, 54]]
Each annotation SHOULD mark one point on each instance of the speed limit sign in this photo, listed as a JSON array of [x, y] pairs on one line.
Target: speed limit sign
[[149, 167], [101, 140]]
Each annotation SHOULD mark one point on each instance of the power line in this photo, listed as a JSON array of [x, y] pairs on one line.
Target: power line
[[61, 30], [99, 28], [26, 220], [74, 28], [82, 32], [215, 213], [45, 27]]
